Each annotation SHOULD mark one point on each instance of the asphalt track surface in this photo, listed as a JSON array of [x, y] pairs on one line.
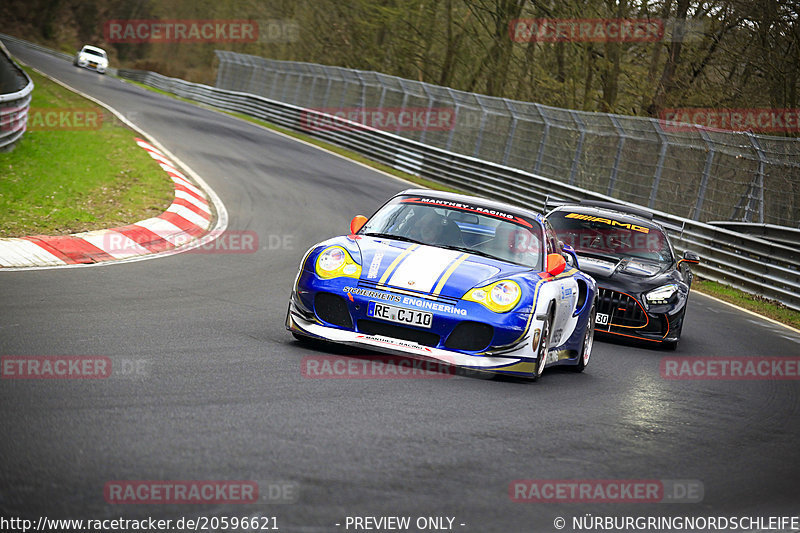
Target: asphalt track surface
[[219, 393]]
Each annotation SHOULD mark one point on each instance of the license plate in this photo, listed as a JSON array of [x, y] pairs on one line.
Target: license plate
[[401, 315]]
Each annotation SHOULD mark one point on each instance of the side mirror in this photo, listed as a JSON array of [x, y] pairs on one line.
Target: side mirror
[[555, 264], [357, 223], [690, 257], [570, 251]]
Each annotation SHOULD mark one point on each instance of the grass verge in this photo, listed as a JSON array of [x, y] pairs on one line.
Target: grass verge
[[762, 306], [70, 173]]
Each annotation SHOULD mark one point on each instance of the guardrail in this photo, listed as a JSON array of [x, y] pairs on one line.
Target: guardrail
[[768, 232], [748, 263], [16, 90]]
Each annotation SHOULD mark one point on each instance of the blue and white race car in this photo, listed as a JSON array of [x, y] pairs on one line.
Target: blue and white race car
[[440, 276]]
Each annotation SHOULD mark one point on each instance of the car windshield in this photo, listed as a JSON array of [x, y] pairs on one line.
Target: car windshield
[[94, 52], [603, 235], [460, 226]]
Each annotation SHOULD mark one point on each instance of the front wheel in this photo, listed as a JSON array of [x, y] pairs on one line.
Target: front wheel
[[544, 346], [588, 343]]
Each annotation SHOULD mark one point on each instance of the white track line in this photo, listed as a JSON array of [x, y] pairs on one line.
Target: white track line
[[749, 312]]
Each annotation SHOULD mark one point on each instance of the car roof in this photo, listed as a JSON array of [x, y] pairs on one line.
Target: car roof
[[600, 209], [90, 47], [477, 200]]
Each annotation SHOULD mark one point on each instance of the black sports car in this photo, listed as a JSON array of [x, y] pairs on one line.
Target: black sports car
[[642, 287]]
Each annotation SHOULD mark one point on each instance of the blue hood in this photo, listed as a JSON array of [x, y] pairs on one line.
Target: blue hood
[[426, 269]]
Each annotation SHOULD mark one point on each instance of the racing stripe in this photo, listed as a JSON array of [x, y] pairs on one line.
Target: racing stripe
[[448, 273], [397, 262], [420, 270]]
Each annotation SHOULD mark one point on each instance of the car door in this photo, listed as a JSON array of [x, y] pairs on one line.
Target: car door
[[566, 294]]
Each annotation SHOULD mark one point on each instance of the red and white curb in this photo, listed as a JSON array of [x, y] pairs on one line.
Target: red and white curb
[[186, 220]]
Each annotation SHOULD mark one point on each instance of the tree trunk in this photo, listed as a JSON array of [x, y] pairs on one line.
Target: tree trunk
[[667, 84]]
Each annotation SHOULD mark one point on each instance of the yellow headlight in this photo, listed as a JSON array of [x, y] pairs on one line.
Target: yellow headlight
[[500, 297], [335, 262]]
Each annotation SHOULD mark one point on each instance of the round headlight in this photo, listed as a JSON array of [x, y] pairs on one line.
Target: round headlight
[[505, 293], [331, 259]]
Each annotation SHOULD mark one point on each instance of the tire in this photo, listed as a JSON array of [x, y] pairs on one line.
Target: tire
[[544, 345], [588, 342]]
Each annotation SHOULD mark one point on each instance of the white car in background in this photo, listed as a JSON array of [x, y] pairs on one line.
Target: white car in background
[[93, 58]]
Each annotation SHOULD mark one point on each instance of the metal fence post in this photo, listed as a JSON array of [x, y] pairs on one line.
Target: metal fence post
[[363, 97], [762, 160], [383, 91], [701, 193], [511, 131], [327, 94], [310, 100], [612, 179], [345, 82], [482, 126], [455, 119], [403, 105], [573, 172], [300, 77], [662, 154], [430, 107], [274, 88], [546, 132]]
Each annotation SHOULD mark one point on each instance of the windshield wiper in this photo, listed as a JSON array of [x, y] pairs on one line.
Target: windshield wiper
[[392, 236]]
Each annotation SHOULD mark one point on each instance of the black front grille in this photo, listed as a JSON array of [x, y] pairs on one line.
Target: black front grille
[[373, 327], [622, 310], [470, 336], [333, 309]]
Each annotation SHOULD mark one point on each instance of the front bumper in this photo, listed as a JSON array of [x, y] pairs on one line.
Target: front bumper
[[99, 67], [505, 344], [628, 317], [517, 366]]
